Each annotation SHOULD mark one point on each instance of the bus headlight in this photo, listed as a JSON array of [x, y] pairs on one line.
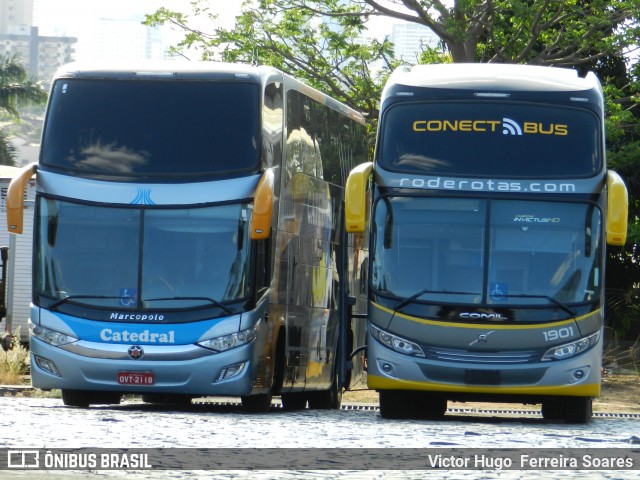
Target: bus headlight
[[233, 340], [395, 343], [568, 350], [51, 337]]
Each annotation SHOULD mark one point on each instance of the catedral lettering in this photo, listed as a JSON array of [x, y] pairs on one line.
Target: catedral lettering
[[146, 336], [488, 245], [175, 276], [486, 126]]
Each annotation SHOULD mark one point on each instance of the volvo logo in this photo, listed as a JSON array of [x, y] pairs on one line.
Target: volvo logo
[[135, 352], [482, 338]]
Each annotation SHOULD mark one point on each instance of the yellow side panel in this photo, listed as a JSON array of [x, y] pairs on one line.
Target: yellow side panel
[[381, 383], [617, 211], [15, 198], [355, 198]]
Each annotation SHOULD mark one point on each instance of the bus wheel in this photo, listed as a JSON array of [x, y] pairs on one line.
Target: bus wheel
[[327, 399], [257, 403], [293, 401], [407, 404], [552, 409], [76, 398], [153, 398], [578, 409], [394, 404], [434, 407]]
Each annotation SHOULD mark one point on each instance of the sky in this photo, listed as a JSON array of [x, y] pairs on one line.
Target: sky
[[77, 18]]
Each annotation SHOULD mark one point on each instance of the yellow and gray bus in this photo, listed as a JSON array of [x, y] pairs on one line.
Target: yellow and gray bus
[[188, 237], [490, 206]]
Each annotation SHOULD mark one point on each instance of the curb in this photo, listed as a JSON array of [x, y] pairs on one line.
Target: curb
[[13, 389]]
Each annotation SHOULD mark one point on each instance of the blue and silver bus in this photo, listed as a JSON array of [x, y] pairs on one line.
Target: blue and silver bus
[[188, 237], [490, 206]]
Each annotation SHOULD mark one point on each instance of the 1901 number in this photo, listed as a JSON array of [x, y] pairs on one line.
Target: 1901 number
[[560, 333]]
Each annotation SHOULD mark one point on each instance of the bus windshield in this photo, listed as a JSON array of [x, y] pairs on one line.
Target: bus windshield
[[490, 140], [142, 258], [152, 128], [536, 253]]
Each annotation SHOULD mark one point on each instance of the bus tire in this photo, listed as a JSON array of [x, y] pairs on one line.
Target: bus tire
[[153, 398], [434, 406], [393, 404], [327, 399], [552, 409], [398, 404], [76, 398], [578, 410], [293, 401], [257, 403]]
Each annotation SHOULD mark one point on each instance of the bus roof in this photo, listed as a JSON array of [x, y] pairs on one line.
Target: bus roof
[[197, 71], [161, 68], [493, 76]]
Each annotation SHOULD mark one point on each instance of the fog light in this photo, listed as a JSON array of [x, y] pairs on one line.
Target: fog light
[[229, 371], [47, 366], [578, 375], [387, 368]]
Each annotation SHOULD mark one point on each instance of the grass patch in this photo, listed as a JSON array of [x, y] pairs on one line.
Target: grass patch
[[14, 361]]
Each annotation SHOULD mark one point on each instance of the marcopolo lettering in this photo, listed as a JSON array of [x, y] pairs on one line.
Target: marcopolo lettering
[[146, 336], [141, 317]]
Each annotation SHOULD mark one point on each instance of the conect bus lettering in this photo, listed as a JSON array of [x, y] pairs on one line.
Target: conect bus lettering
[[490, 126], [184, 246], [487, 247]]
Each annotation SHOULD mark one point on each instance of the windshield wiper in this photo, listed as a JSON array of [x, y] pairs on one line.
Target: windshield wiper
[[59, 302], [208, 299], [415, 296], [555, 301]]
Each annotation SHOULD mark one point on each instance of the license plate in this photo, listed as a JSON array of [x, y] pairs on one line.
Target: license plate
[[136, 378]]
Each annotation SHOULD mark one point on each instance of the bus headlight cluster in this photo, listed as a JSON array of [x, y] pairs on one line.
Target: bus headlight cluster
[[568, 350], [395, 343], [51, 337], [233, 340]]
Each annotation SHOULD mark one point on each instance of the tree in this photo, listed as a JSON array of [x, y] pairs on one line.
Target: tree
[[542, 32], [320, 41], [332, 55], [16, 90]]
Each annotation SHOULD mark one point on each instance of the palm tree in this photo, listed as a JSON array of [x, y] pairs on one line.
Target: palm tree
[[16, 90]]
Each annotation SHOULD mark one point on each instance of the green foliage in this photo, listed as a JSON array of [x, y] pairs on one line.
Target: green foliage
[[330, 55], [323, 43], [7, 151], [16, 90]]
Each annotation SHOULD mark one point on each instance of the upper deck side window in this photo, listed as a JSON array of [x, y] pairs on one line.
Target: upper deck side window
[[490, 139], [156, 130]]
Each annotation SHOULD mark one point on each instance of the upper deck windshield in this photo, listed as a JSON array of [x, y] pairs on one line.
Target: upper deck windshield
[[153, 129], [490, 140], [536, 253], [130, 258]]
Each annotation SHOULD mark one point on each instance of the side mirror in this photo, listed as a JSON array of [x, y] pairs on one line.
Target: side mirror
[[617, 209], [355, 195], [15, 198], [262, 207]]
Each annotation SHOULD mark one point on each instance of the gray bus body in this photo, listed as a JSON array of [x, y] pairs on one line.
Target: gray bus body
[[489, 222], [188, 237]]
